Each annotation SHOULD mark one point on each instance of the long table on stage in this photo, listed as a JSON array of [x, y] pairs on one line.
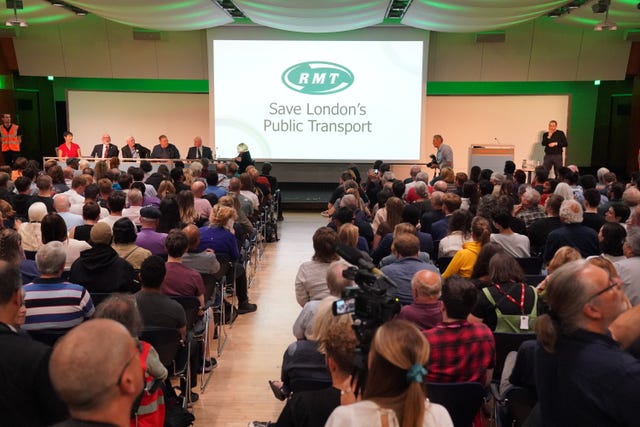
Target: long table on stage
[[125, 163]]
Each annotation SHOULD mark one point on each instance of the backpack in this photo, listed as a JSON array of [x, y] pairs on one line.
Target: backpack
[[511, 322], [175, 414]]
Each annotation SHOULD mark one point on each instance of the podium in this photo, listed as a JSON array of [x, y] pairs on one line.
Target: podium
[[490, 156]]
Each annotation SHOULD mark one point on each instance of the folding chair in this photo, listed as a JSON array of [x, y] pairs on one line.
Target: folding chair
[[514, 407], [97, 297], [166, 342], [462, 400], [219, 286], [505, 343], [531, 265]]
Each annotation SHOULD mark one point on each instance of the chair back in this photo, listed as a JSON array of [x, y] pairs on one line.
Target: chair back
[[530, 265], [164, 340], [443, 263], [505, 343], [519, 404], [98, 297], [462, 400], [48, 336], [191, 305]]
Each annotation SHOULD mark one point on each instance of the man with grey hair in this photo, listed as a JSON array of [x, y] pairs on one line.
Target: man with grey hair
[[529, 210], [425, 311], [134, 196], [28, 398], [201, 205], [336, 282], [53, 303], [583, 377], [572, 233], [629, 268], [103, 396], [435, 214], [413, 173]]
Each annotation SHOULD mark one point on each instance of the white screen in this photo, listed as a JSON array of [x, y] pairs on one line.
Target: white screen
[[377, 116]]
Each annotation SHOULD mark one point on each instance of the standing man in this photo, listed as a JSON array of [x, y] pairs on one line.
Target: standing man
[[105, 150], [198, 151], [11, 137], [134, 151], [444, 156], [553, 141], [164, 150]]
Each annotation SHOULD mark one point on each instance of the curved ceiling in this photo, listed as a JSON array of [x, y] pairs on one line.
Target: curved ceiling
[[322, 16]]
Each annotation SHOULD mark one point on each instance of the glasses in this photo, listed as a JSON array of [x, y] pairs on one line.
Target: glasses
[[613, 283], [124, 368]]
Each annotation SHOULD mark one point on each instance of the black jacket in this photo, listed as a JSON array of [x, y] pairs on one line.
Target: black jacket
[[143, 152], [101, 270]]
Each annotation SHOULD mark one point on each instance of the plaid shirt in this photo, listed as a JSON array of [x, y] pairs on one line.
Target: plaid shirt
[[460, 352], [530, 215]]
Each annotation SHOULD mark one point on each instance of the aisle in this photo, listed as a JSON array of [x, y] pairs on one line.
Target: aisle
[[238, 391]]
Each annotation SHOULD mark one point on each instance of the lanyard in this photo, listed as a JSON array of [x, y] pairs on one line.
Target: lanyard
[[510, 298]]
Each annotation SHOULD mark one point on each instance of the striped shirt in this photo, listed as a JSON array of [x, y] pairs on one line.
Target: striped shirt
[[52, 304]]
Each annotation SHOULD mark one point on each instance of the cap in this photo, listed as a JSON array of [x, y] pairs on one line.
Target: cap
[[150, 212], [101, 234]]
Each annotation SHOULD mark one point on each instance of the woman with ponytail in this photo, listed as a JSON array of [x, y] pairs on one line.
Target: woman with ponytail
[[464, 260], [394, 395]]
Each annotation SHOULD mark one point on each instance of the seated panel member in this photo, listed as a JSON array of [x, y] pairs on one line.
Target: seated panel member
[[105, 150], [134, 150], [198, 151], [164, 150]]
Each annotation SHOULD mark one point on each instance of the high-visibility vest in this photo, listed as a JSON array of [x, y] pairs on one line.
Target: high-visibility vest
[[151, 412], [10, 139]]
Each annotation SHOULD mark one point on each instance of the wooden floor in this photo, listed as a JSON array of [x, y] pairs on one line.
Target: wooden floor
[[238, 391]]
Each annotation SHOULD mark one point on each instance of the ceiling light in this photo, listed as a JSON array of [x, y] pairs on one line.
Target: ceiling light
[[601, 6], [16, 23]]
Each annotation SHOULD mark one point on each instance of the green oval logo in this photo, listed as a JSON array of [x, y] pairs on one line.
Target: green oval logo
[[317, 78]]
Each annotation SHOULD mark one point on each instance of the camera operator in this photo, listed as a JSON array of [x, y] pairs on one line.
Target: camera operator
[[443, 157]]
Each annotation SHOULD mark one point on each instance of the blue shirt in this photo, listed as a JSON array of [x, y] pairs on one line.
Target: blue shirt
[[401, 272], [220, 240]]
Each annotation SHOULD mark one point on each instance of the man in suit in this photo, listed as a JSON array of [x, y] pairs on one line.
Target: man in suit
[[198, 151], [164, 150], [105, 150], [29, 398], [134, 151]]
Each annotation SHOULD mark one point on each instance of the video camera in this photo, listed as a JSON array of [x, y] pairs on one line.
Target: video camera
[[368, 302], [434, 162]]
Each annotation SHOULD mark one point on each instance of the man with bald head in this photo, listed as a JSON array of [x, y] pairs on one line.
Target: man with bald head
[[27, 396], [198, 151], [201, 205], [96, 370], [62, 205], [425, 311], [105, 150]]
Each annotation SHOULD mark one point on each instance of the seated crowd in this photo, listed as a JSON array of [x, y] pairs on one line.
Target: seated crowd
[[78, 243], [475, 260]]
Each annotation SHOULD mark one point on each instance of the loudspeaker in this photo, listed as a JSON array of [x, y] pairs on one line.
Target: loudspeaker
[[146, 35], [491, 37]]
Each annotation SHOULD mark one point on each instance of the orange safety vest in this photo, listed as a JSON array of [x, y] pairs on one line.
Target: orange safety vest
[[10, 139], [151, 412]]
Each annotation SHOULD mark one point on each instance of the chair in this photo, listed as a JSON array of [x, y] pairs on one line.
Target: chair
[[533, 279], [462, 400], [219, 284], [48, 336], [166, 342], [505, 343], [191, 305], [531, 265], [98, 297], [514, 407], [443, 263]]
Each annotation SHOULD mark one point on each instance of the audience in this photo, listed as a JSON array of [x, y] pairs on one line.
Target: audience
[[572, 232], [583, 377], [124, 243], [464, 260], [311, 279], [425, 311], [148, 237], [28, 397], [514, 244]]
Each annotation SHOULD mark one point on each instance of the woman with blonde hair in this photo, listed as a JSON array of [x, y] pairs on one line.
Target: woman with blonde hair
[[464, 260], [30, 231], [186, 207], [562, 256], [244, 157], [219, 237], [394, 394], [166, 187]]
